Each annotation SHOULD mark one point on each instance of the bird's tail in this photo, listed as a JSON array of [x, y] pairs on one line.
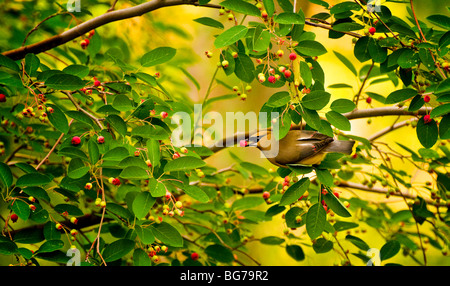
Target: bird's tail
[[340, 146]]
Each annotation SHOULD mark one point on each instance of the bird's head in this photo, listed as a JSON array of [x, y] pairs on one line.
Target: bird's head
[[259, 139]]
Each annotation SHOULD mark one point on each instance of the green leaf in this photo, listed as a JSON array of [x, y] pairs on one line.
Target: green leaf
[[279, 99], [141, 258], [347, 27], [153, 151], [32, 64], [294, 192], [150, 131], [443, 87], [316, 100], [184, 164], [440, 110], [255, 169], [316, 218], [230, 36], [312, 118], [167, 234], [427, 133], [117, 249], [21, 209], [58, 119], [400, 95], [209, 22], [50, 245], [145, 234], [134, 173], [247, 203], [122, 103], [358, 242], [241, 7], [322, 245], [306, 74], [440, 20], [346, 62], [94, 153], [64, 82], [344, 225], [8, 63], [338, 120], [269, 5], [73, 152], [408, 59], [376, 52], [335, 204], [296, 252], [290, 18], [6, 175], [261, 39], [33, 179], [345, 7], [70, 209], [342, 105], [37, 192], [389, 249], [444, 127], [361, 50], [272, 240], [158, 56], [310, 48], [196, 193], [8, 247], [77, 70], [77, 169], [220, 253], [50, 231], [142, 204], [324, 176], [117, 123], [157, 189], [244, 68]]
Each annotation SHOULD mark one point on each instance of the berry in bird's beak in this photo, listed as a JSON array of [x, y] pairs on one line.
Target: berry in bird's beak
[[243, 143]]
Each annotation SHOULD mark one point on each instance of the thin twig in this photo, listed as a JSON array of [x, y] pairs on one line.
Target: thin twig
[[53, 148]]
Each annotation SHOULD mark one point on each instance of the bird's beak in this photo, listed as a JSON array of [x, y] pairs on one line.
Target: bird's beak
[[248, 142]]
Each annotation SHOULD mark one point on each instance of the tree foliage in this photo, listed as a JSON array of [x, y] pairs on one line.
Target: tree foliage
[[88, 161]]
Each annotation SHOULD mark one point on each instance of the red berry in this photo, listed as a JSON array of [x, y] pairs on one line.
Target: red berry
[[266, 195], [14, 217], [97, 83], [2, 97], [372, 30], [369, 100], [164, 114], [427, 119], [426, 98], [176, 155], [32, 207], [101, 139], [76, 140], [287, 73], [194, 256], [84, 43], [116, 181], [292, 56], [272, 79]]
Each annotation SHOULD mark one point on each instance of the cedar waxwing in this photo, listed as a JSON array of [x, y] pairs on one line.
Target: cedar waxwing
[[302, 147]]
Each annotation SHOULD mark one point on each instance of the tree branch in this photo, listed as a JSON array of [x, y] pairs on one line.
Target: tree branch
[[109, 17]]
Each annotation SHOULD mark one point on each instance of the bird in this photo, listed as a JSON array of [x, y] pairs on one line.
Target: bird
[[297, 147]]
